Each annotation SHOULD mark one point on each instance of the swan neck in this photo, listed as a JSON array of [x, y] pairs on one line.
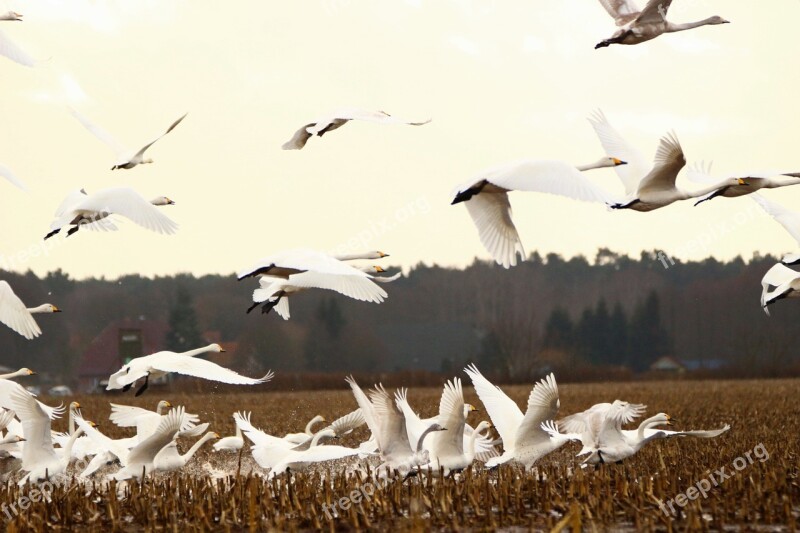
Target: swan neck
[[40, 309], [71, 443], [17, 374], [310, 426], [316, 438], [471, 445], [196, 446], [421, 439], [597, 164], [349, 257], [672, 28], [198, 351], [652, 421]]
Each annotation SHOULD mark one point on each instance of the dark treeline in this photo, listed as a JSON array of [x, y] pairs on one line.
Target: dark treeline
[[613, 314]]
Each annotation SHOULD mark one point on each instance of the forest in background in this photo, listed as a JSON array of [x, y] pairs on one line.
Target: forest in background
[[609, 316]]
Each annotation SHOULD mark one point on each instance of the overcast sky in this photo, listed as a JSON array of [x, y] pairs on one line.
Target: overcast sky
[[501, 80]]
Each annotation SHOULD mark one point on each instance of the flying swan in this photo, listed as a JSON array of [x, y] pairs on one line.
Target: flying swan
[[16, 316], [641, 26]]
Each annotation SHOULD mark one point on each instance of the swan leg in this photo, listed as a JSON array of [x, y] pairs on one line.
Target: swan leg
[[55, 231], [624, 206], [249, 309], [269, 305], [73, 230], [127, 387], [143, 387], [711, 196]]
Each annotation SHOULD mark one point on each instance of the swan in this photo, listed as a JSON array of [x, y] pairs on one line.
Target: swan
[[11, 16], [7, 173], [786, 283], [290, 271], [269, 450], [486, 198], [8, 389], [749, 183], [80, 209], [10, 49], [18, 373], [299, 438], [230, 444], [649, 187], [641, 26], [790, 220], [126, 158], [299, 460], [146, 421], [162, 363], [524, 441], [39, 458], [447, 450], [169, 459], [387, 424], [338, 119], [16, 316], [415, 426]]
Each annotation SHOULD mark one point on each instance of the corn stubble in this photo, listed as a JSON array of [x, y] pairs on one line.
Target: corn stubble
[[558, 495]]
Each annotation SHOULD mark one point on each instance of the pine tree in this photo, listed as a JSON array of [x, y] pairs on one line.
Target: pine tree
[[558, 333], [649, 339], [618, 336], [184, 333]]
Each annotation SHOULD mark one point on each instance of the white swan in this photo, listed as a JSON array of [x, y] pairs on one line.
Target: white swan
[[338, 119], [18, 373], [230, 444], [16, 316], [786, 283], [486, 198], [649, 23], [524, 441], [308, 432], [169, 459], [146, 421], [446, 449], [80, 209], [790, 220], [748, 183], [291, 271], [39, 458], [299, 460], [166, 362], [10, 49], [8, 174], [126, 158]]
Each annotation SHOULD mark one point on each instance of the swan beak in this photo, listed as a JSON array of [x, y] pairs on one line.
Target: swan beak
[[216, 435], [77, 405], [742, 182], [222, 350], [618, 162], [20, 439], [31, 373], [170, 202], [726, 21], [56, 309], [167, 404], [670, 421], [382, 255], [379, 269]]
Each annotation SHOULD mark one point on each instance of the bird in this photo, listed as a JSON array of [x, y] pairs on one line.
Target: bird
[[447, 450], [7, 173], [169, 459], [291, 271], [16, 316], [146, 421], [748, 183], [9, 48], [524, 441], [638, 26], [786, 283], [19, 373], [299, 438], [790, 220], [126, 158], [486, 198], [82, 209], [338, 119], [299, 460], [166, 362], [387, 424], [230, 444]]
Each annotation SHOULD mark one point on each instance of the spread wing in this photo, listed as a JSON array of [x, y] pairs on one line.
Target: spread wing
[[668, 163], [15, 315]]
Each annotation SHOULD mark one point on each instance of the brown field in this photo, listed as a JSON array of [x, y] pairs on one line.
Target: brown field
[[763, 496]]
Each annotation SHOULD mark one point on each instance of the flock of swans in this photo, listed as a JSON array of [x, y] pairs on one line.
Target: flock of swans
[[400, 441]]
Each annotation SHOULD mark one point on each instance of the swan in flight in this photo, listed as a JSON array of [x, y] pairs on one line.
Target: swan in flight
[[748, 182], [308, 432], [169, 459], [166, 362], [126, 158], [16, 316], [387, 424], [338, 119], [786, 283], [790, 220], [524, 441], [8, 174], [82, 209], [291, 271], [146, 421], [447, 450], [486, 198], [641, 26], [8, 389], [10, 49]]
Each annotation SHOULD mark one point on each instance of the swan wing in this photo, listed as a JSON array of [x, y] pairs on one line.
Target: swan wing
[[654, 12], [616, 146], [204, 369], [790, 220], [126, 416], [450, 442], [13, 52], [491, 214], [129, 204], [622, 11], [505, 414], [36, 428], [347, 423], [141, 151], [668, 162], [393, 436], [99, 132], [543, 405], [167, 429], [11, 177], [356, 286], [15, 315], [102, 441], [368, 410], [288, 262], [375, 116], [549, 177], [67, 204], [299, 139], [258, 437]]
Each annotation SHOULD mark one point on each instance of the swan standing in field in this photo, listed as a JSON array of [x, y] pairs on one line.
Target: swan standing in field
[[641, 26], [786, 283], [524, 441], [10, 49], [230, 444], [126, 158], [290, 271], [162, 363], [486, 198], [338, 119], [80, 209], [748, 183], [16, 316]]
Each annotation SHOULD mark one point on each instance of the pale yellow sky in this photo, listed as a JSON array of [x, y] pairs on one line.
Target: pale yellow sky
[[501, 79]]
